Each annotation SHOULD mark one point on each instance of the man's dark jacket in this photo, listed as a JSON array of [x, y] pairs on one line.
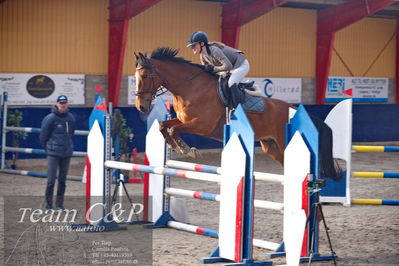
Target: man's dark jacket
[[57, 132]]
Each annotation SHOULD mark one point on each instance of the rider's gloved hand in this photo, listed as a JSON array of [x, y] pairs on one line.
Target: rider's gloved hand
[[209, 68]]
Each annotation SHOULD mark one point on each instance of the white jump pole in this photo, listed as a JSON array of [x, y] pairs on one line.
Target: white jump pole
[[217, 170]]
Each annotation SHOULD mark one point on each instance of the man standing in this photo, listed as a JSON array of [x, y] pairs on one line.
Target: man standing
[[56, 135]]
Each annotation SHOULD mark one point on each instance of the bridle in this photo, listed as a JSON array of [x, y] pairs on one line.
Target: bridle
[[153, 73], [152, 76]]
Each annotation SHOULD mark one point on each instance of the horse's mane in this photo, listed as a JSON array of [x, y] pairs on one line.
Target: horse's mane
[[169, 54]]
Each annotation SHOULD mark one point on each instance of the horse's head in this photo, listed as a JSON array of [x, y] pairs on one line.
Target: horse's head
[[147, 82]]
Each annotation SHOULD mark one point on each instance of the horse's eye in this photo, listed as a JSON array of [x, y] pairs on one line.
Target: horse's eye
[[144, 76]]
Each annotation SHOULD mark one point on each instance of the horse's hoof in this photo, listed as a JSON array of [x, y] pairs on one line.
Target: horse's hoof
[[183, 149], [194, 153]]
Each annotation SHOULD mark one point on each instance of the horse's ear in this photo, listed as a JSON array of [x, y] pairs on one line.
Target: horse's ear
[[137, 57], [142, 57]]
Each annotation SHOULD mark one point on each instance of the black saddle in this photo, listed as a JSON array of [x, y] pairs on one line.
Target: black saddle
[[236, 94]]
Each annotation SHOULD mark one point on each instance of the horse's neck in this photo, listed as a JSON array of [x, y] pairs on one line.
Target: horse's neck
[[183, 80]]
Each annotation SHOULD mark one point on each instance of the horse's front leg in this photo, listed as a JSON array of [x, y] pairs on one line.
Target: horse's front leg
[[192, 127], [164, 127]]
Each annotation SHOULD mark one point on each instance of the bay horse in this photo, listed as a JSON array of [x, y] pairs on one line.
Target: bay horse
[[197, 105]]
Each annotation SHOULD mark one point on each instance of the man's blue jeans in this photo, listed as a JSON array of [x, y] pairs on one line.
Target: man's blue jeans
[[56, 165]]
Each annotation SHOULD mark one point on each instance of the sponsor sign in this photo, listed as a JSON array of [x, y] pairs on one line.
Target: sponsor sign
[[131, 99], [286, 89], [360, 89], [42, 89]]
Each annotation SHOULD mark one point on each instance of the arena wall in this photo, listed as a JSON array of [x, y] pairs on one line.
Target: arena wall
[[58, 36]]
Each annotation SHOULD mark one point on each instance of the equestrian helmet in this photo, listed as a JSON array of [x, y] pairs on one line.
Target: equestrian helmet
[[196, 37]]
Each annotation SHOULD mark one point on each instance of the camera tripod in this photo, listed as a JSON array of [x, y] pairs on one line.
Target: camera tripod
[[120, 182], [313, 220]]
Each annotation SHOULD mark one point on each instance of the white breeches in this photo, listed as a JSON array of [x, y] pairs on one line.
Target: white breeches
[[239, 73]]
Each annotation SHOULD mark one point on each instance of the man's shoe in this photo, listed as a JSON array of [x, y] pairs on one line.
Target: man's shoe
[[61, 208], [48, 209]]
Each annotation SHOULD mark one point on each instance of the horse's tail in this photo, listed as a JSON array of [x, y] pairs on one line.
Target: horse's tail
[[328, 166]]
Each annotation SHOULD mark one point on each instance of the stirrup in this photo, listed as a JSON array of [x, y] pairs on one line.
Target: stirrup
[[229, 113]]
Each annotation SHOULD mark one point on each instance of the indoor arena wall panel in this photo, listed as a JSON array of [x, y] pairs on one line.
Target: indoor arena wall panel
[[53, 36], [281, 43], [367, 48], [169, 23]]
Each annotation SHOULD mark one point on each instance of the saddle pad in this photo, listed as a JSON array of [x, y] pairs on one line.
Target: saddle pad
[[250, 104], [253, 104]]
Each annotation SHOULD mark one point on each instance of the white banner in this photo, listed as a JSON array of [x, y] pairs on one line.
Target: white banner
[[42, 89], [286, 89], [131, 86], [360, 89]]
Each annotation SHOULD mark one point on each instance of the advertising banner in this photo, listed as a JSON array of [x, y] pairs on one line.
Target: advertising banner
[[286, 89], [42, 89], [360, 89], [131, 99]]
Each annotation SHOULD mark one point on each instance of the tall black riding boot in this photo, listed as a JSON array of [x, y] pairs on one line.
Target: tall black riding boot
[[234, 99]]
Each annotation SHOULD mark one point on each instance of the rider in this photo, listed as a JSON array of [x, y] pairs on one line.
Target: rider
[[218, 58]]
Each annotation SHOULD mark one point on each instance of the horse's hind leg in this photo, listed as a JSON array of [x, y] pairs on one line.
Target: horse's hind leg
[[270, 147]]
